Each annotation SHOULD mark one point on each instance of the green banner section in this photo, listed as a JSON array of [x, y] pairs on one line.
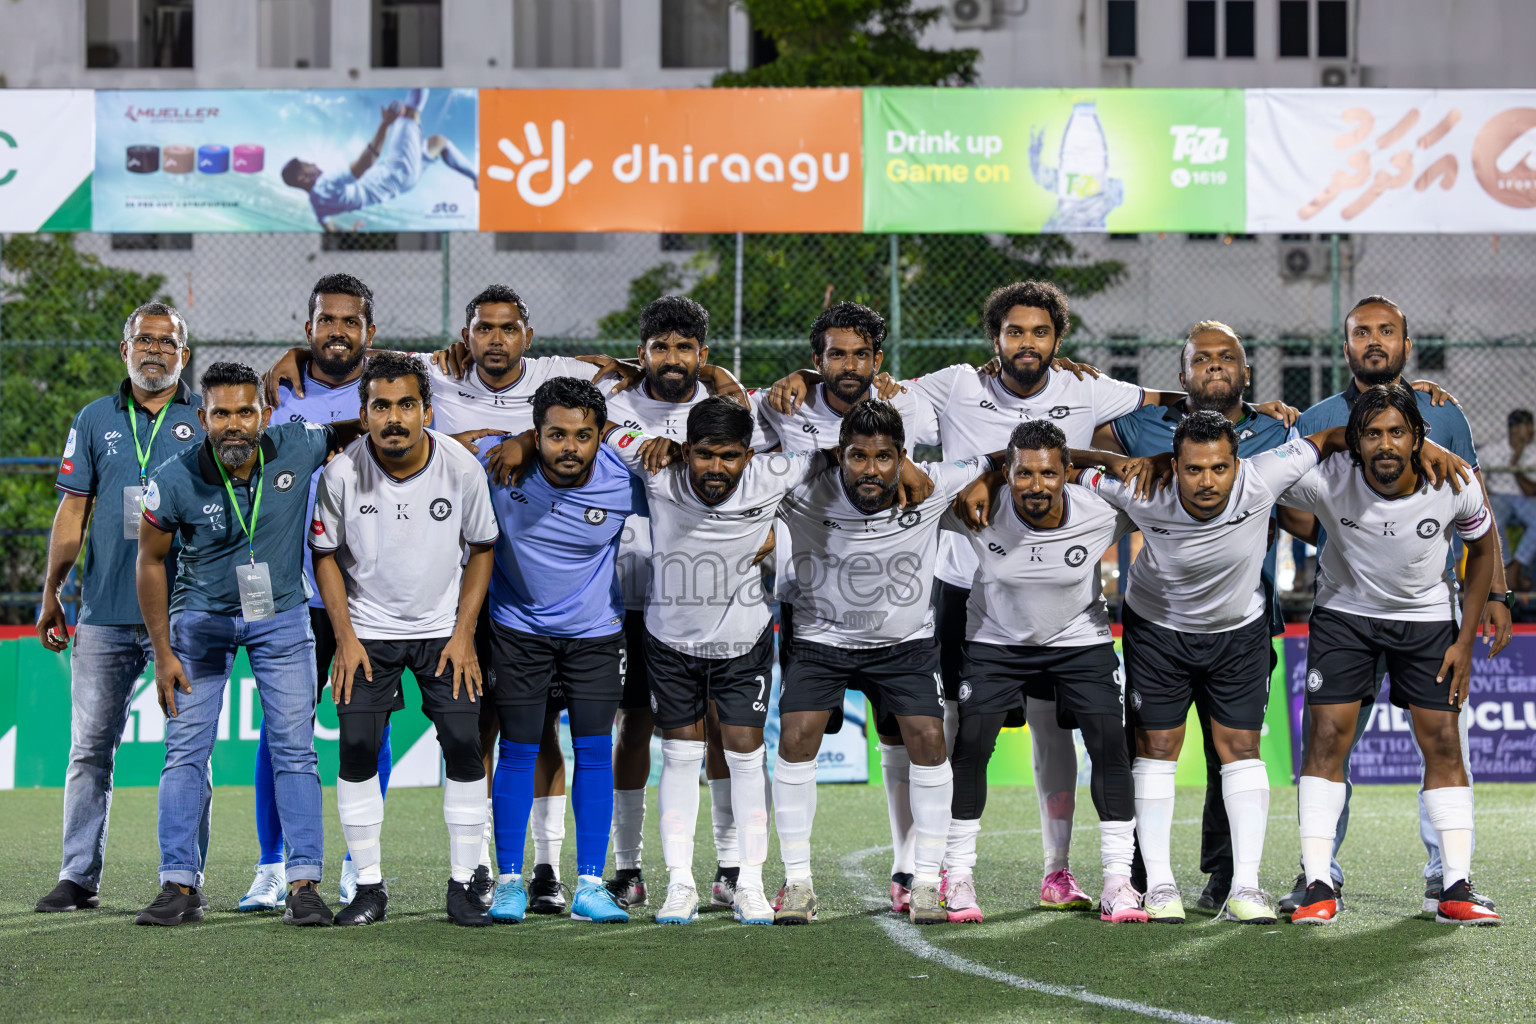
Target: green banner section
[[1030, 160]]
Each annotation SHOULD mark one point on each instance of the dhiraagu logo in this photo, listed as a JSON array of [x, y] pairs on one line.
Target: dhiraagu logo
[[528, 168], [7, 146]]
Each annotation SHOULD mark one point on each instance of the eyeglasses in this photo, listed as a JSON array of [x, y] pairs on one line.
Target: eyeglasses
[[145, 343]]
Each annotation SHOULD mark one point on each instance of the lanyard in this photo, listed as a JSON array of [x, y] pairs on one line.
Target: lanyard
[[143, 453], [234, 506]]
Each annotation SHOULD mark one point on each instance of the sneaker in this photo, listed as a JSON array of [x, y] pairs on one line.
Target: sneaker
[[1319, 905], [901, 893], [1059, 891], [171, 907], [627, 888], [1460, 904], [1296, 897], [1215, 893], [545, 893], [593, 901], [1248, 906], [1164, 905], [268, 890], [752, 906], [927, 904], [722, 893], [797, 904], [66, 896], [367, 906], [960, 900], [1121, 903], [1432, 895], [305, 907], [511, 901], [464, 906], [778, 897], [346, 886], [483, 886], [681, 905]]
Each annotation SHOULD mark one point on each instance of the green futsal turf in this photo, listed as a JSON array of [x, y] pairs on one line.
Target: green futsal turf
[[1380, 962]]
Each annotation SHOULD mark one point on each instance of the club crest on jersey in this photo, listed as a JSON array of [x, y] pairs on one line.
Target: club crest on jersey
[[182, 431], [284, 480], [910, 518], [1059, 412], [1427, 528], [440, 509], [595, 516], [1076, 555], [1136, 699], [1314, 681]]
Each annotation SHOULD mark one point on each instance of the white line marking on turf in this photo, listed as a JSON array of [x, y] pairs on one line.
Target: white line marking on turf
[[904, 933]]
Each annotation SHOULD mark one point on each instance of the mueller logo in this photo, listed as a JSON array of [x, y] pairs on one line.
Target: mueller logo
[[135, 114], [1504, 157]]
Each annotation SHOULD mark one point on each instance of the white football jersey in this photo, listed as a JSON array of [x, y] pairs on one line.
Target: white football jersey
[[977, 413], [1202, 576], [398, 542], [706, 596], [471, 404], [1041, 587], [866, 580], [1386, 557]]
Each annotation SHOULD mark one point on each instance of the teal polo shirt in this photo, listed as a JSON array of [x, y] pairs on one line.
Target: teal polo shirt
[[187, 496], [99, 461]]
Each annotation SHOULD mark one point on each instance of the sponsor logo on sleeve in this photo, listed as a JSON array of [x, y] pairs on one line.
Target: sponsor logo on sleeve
[[151, 498], [66, 467], [317, 528], [69, 443], [629, 436]]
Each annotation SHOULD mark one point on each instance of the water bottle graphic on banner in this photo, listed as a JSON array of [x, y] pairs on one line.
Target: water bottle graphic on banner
[[1085, 193]]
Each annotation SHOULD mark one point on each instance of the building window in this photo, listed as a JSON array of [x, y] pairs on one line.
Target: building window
[[1294, 40], [151, 243], [138, 33], [672, 241], [566, 33], [294, 33], [1430, 349], [1239, 28], [550, 241], [1332, 28], [1199, 28], [1120, 28], [1124, 236], [381, 241], [1201, 238], [695, 33], [407, 34], [1127, 373]]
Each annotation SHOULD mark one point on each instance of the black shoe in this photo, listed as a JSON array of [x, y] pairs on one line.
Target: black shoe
[[172, 907], [1215, 893], [627, 888], [66, 896], [367, 906], [902, 879], [1432, 895], [305, 907], [464, 906], [545, 895], [483, 886]]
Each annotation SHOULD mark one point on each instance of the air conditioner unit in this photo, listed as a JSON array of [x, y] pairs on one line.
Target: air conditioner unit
[[1333, 76], [971, 13], [1311, 261]]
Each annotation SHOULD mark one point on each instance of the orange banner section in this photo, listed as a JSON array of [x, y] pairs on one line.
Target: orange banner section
[[670, 160]]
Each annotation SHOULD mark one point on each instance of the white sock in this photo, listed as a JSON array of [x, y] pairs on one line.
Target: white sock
[[951, 725], [360, 806], [488, 837], [960, 853], [1117, 843], [677, 798], [727, 852], [932, 791], [548, 830], [895, 772], [1320, 803], [464, 813], [1055, 763], [1245, 792], [628, 821], [1154, 817], [794, 811], [1450, 811], [749, 807]]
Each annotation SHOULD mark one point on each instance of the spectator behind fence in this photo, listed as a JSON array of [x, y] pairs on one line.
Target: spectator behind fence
[[1510, 471]]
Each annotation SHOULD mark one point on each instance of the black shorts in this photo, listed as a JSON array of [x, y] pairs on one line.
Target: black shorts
[[390, 659], [1164, 667], [637, 682], [1342, 653], [683, 685], [528, 669], [902, 679], [1081, 680], [325, 649]]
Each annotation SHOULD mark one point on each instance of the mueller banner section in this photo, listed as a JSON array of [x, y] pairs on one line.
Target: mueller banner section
[[46, 154], [670, 160], [1031, 160], [286, 160], [1391, 160]]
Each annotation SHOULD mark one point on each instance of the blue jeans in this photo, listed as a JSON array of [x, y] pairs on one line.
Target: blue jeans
[[282, 654], [105, 663]]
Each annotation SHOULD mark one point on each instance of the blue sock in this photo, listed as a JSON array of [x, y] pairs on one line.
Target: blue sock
[[592, 801], [512, 803], [386, 762], [269, 828]]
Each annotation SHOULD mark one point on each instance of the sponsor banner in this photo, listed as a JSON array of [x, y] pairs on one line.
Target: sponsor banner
[[46, 155], [670, 160], [1029, 160], [286, 160], [1391, 160]]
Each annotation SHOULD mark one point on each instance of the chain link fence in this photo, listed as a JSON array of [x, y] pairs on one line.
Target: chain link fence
[[1472, 312]]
